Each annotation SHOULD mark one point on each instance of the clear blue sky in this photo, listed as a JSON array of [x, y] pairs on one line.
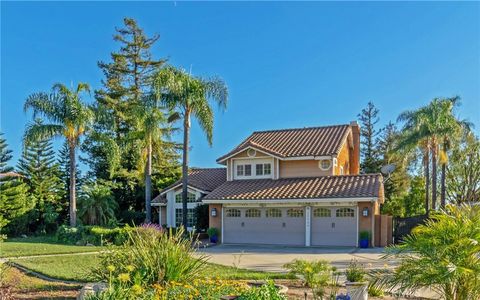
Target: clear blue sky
[[286, 64]]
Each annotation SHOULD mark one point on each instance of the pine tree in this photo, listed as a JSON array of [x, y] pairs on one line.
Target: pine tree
[[369, 139], [41, 174], [128, 79], [13, 192]]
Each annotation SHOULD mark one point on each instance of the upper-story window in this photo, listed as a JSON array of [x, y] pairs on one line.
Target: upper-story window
[[325, 164], [191, 197], [263, 169], [254, 168]]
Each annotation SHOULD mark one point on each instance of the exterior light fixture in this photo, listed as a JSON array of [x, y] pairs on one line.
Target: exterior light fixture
[[365, 212], [213, 213]]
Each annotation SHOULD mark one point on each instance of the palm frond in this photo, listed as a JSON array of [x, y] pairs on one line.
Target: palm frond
[[38, 132]]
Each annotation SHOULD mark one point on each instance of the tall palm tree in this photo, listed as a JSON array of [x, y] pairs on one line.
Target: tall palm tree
[[151, 130], [413, 137], [190, 96], [429, 126], [69, 117]]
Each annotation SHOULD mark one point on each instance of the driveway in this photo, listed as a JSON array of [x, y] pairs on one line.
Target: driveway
[[272, 258]]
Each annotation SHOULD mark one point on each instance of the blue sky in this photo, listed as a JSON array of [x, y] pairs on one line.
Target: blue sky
[[286, 64]]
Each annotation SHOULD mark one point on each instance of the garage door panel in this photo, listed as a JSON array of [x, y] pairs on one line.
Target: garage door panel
[[332, 229], [282, 230]]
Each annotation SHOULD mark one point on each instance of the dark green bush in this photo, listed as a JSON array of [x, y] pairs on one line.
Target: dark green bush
[[95, 235], [201, 212], [69, 235]]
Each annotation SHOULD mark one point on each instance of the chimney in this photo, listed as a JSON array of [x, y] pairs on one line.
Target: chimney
[[355, 158]]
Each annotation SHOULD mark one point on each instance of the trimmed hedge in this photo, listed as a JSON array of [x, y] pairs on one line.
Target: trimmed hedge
[[95, 235]]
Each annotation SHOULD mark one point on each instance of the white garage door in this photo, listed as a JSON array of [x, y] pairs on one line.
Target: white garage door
[[281, 226], [334, 226]]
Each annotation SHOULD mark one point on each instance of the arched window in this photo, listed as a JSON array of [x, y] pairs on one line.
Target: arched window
[[345, 213], [295, 213], [322, 212], [233, 213], [274, 213], [252, 213]]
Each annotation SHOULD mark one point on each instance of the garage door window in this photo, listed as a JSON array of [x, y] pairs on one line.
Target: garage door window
[[322, 213], [345, 213], [274, 213], [233, 213], [252, 213], [295, 213]]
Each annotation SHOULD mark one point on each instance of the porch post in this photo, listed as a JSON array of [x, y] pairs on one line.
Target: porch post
[[308, 227], [160, 215]]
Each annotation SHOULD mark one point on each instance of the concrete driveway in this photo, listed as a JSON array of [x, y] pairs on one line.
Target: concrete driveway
[[272, 258]]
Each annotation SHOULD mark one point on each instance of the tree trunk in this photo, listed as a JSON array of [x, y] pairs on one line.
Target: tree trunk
[[434, 175], [186, 137], [426, 163], [148, 184], [73, 173], [443, 191]]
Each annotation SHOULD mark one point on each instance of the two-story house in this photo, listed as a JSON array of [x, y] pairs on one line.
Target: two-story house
[[297, 187]]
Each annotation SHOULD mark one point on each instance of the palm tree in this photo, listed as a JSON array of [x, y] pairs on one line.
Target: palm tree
[[151, 131], [189, 96], [68, 116], [96, 204], [429, 126], [413, 137]]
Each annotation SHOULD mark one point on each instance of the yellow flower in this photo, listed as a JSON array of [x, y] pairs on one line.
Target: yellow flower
[[137, 289], [385, 266], [111, 268], [130, 268], [124, 277]]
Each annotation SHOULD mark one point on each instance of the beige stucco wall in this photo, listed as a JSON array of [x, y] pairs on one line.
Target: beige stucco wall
[[163, 210], [343, 160], [366, 223], [215, 221], [301, 168]]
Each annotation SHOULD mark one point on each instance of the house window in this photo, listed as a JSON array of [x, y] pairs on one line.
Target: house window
[[240, 170], [191, 217], [191, 197], [248, 170], [345, 213], [322, 213], [233, 213], [274, 213], [252, 213], [295, 213], [325, 164], [259, 169], [263, 169]]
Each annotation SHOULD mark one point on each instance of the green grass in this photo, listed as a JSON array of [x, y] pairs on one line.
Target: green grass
[[40, 246], [68, 267], [76, 267]]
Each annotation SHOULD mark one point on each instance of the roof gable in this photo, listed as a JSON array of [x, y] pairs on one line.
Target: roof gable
[[298, 142]]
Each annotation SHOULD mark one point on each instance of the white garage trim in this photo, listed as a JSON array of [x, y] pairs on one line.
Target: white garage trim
[[308, 225], [326, 201]]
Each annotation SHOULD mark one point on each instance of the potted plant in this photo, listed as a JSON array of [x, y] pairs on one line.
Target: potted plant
[[213, 234], [364, 238], [357, 286]]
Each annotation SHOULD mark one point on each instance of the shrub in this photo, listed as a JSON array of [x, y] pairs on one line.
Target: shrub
[[267, 291], [69, 235], [199, 289], [158, 257], [442, 254], [212, 231], [364, 235], [355, 271], [315, 274]]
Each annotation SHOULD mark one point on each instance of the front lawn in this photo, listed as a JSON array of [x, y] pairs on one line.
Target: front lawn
[[76, 268], [39, 246]]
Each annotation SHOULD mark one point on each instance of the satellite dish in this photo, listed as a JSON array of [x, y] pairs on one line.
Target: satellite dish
[[388, 169]]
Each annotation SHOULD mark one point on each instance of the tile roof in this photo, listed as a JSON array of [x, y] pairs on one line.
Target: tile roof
[[343, 186], [309, 141], [205, 179]]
